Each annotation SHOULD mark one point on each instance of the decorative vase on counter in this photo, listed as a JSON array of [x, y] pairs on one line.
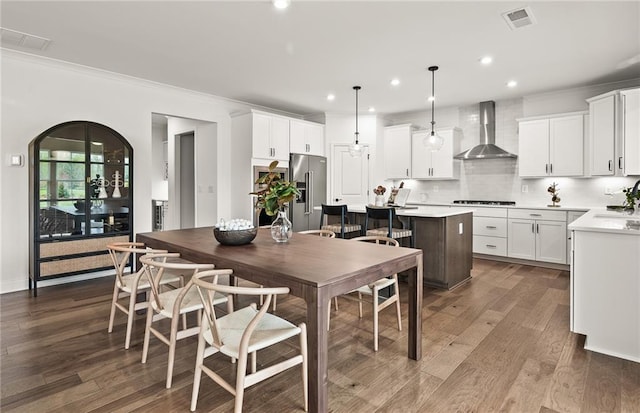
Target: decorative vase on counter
[[281, 228], [379, 201]]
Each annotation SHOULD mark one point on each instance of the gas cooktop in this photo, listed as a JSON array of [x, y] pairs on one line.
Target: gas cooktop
[[472, 202]]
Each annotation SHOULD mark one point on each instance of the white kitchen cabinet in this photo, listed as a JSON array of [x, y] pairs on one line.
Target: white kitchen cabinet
[[426, 164], [270, 136], [537, 235], [490, 231], [397, 151], [603, 128], [551, 146], [615, 133], [306, 137], [630, 131]]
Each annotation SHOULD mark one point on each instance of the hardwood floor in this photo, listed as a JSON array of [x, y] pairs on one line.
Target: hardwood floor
[[498, 343]]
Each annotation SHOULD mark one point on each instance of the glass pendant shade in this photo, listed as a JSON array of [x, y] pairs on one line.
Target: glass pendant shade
[[433, 142]]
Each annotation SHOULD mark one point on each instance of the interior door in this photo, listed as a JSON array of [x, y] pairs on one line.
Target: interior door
[[349, 176]]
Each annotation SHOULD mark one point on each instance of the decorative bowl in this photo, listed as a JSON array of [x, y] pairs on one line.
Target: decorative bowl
[[235, 237], [81, 205]]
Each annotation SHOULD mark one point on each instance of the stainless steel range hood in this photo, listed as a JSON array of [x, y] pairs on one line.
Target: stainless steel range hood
[[487, 148]]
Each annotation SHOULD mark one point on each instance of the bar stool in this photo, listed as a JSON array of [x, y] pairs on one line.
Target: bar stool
[[387, 214], [343, 227]]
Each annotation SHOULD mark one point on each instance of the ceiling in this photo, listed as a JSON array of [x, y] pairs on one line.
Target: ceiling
[[291, 59]]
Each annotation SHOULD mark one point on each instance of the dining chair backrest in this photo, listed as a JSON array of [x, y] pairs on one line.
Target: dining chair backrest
[[319, 232], [156, 264], [378, 240], [120, 253], [207, 290]]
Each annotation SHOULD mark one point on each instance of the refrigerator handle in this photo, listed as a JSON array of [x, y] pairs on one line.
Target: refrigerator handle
[[309, 203]]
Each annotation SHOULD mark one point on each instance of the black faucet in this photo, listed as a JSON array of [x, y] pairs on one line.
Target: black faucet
[[634, 191]]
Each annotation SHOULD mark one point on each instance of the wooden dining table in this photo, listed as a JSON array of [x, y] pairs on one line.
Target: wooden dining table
[[315, 269]]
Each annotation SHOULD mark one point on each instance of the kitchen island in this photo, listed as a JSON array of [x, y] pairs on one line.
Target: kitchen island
[[605, 282], [445, 236]]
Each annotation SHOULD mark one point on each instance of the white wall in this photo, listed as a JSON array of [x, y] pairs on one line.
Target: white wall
[[39, 93]]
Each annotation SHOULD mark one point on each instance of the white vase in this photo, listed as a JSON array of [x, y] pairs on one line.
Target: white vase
[[379, 201], [281, 228]]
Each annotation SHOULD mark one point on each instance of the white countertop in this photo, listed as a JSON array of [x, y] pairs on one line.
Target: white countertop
[[518, 206], [423, 211], [602, 220]]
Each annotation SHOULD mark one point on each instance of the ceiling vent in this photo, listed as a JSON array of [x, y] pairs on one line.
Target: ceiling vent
[[26, 40], [519, 18]]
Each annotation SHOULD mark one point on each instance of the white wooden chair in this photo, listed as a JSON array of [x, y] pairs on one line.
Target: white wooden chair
[[129, 285], [173, 304], [320, 232], [372, 290], [243, 332]]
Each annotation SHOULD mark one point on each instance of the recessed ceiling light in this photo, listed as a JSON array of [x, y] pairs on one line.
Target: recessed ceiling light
[[331, 96], [486, 60], [512, 83], [431, 98], [372, 109], [395, 81], [281, 4]]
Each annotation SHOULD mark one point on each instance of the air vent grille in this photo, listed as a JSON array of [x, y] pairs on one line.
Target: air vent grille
[[519, 18], [26, 40]]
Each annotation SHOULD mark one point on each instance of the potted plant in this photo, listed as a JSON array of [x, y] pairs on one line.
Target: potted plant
[[274, 197]]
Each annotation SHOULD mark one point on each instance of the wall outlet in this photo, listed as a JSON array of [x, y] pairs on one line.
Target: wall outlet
[[608, 190], [525, 188]]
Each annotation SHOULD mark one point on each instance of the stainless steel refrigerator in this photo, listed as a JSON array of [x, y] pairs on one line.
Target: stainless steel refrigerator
[[310, 174]]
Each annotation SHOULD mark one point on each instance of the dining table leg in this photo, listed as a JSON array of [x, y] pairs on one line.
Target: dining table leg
[[317, 337], [415, 312]]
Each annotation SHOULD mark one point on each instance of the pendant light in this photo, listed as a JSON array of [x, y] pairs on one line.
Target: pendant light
[[355, 149], [433, 141]]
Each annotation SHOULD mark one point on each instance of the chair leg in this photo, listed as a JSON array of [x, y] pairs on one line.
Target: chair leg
[[398, 306], [360, 304], [147, 334], [336, 302], [240, 375], [132, 311], [116, 291], [197, 377], [172, 351], [254, 361], [328, 315]]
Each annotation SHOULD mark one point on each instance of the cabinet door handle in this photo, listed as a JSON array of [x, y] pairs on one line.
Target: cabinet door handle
[[535, 215], [407, 171], [550, 168], [537, 228], [546, 168], [620, 162], [610, 165], [490, 246], [533, 228], [491, 227]]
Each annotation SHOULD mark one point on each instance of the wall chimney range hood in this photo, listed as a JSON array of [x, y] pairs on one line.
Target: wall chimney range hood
[[487, 148]]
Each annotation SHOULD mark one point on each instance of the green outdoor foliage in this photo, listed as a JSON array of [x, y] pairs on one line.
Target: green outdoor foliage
[[277, 192]]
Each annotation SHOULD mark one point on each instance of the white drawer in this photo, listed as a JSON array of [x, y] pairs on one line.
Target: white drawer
[[489, 245], [489, 212], [487, 226], [542, 214]]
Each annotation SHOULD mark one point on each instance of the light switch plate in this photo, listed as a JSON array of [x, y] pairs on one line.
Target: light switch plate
[[16, 160]]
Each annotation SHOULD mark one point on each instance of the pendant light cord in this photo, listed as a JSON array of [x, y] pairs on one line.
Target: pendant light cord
[[356, 88], [433, 69]]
